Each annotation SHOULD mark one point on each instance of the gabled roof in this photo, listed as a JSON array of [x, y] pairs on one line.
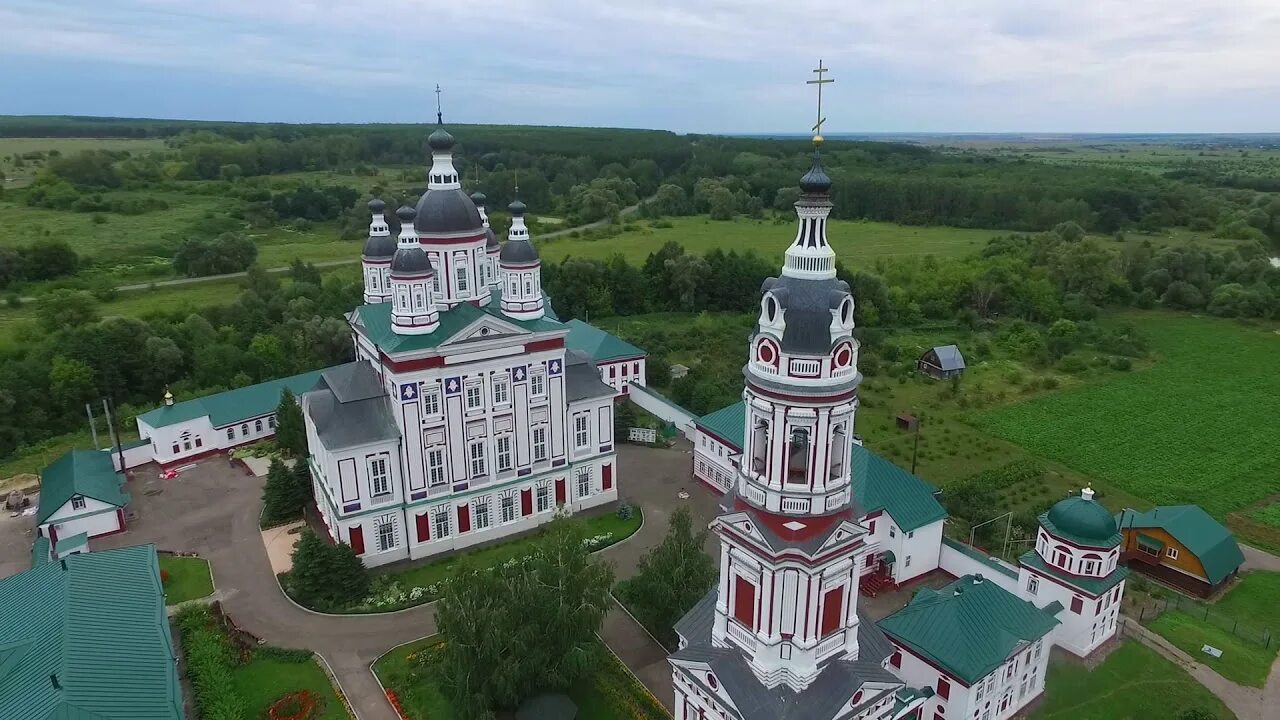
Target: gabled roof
[[582, 378], [968, 628], [349, 408], [376, 321], [232, 406], [1095, 586], [949, 357], [877, 483], [97, 623], [598, 344], [80, 472], [1208, 539]]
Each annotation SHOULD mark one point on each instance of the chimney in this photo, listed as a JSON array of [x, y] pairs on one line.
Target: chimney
[[1087, 493], [977, 579], [53, 678]]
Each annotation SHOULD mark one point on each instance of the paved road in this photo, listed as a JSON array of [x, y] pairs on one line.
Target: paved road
[[213, 509], [1255, 559], [334, 263]]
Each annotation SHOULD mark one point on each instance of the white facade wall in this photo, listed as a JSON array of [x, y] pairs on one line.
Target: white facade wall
[[95, 518], [959, 564], [197, 436], [662, 408], [920, 545], [998, 696], [714, 462], [1087, 621], [618, 374]]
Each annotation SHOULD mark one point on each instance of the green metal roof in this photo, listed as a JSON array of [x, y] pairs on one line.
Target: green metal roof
[[71, 543], [40, 551], [97, 623], [1083, 522], [376, 319], [981, 557], [232, 406], [80, 472], [598, 344], [877, 483], [729, 423], [1093, 585], [1190, 525], [1150, 542], [968, 628]]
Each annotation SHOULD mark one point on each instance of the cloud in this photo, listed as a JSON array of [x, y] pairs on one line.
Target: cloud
[[699, 64]]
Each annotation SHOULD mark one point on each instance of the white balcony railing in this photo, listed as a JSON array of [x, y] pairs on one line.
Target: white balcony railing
[[831, 644], [382, 499], [741, 635]]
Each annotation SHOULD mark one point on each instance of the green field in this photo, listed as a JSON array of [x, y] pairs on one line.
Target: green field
[[189, 578], [1133, 683], [1200, 426], [21, 176]]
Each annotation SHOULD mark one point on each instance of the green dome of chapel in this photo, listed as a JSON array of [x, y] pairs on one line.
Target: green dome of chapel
[[1082, 519]]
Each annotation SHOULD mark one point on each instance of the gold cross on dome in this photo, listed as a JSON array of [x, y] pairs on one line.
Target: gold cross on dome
[[817, 128]]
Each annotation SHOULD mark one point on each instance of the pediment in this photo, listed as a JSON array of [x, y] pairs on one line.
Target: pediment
[[744, 524], [844, 533], [485, 328]]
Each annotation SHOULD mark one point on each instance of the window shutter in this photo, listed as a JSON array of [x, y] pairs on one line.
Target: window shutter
[[560, 491], [744, 602], [526, 501], [831, 611], [423, 524], [896, 659], [944, 688], [607, 478], [464, 518], [355, 537]]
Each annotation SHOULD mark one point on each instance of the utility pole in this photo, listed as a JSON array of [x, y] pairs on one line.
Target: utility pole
[[93, 427], [115, 433], [915, 448]]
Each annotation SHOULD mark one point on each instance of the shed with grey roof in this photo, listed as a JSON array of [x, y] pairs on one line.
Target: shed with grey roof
[[942, 362]]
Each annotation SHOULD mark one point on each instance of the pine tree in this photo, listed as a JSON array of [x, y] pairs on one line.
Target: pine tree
[[291, 434], [302, 480], [671, 578], [326, 576], [282, 496]]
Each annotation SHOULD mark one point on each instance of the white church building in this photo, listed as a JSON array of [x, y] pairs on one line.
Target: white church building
[[465, 416], [811, 519]]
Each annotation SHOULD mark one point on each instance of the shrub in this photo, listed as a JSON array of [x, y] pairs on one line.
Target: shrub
[[625, 511], [210, 657]]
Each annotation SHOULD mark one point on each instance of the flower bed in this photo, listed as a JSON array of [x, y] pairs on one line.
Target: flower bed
[[300, 705]]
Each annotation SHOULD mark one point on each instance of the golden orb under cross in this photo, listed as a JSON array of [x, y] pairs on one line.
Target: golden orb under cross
[[817, 127]]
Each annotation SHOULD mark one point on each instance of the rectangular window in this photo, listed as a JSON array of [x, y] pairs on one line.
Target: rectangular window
[[435, 467], [744, 602], [540, 443], [440, 521], [386, 533], [501, 395], [271, 421], [1171, 552], [908, 562], [544, 497], [507, 501], [944, 688], [176, 449], [1033, 585], [257, 426], [379, 477], [892, 532], [476, 453], [244, 429], [480, 509], [831, 601], [461, 274], [231, 433], [431, 402], [199, 442], [583, 477], [537, 384], [475, 398], [1077, 605], [77, 503], [504, 452], [580, 434]]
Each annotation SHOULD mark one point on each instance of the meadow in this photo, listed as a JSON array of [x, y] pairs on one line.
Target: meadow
[[16, 176], [1200, 426]]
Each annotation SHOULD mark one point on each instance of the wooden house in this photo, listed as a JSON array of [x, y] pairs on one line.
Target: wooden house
[[942, 362], [1180, 545]]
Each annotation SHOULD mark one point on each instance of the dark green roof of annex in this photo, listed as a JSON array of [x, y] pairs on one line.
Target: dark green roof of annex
[[97, 623], [969, 628], [1083, 522], [598, 344], [878, 484], [375, 318], [80, 472], [1212, 544], [232, 406]]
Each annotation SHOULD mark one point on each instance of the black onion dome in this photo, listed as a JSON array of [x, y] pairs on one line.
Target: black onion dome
[[479, 198], [816, 181], [517, 208], [411, 261], [447, 211], [376, 206], [406, 214], [440, 140], [379, 246], [518, 251], [490, 239], [808, 304]]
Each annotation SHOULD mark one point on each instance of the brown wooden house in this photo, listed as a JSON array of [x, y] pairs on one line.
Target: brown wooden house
[[942, 362], [1180, 545]]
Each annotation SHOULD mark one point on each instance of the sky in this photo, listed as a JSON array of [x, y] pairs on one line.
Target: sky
[[682, 65]]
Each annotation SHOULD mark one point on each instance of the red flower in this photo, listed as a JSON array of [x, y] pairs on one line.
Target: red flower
[[300, 705]]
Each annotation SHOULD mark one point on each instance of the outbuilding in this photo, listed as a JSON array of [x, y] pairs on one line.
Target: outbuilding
[[1180, 545], [942, 362], [81, 493]]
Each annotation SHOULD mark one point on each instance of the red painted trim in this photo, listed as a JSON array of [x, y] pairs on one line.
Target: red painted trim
[[538, 345], [526, 502], [930, 663], [560, 493], [718, 439], [1062, 583], [606, 476], [787, 554], [355, 536], [803, 399], [402, 366], [207, 453], [1086, 548], [422, 523], [365, 259], [434, 241], [464, 518], [627, 359]]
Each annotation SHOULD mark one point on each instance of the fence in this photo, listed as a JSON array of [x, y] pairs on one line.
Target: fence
[[642, 435], [1244, 629]]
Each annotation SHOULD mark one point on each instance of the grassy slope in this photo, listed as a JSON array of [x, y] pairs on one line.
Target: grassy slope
[[1134, 683], [263, 680], [1198, 427], [189, 578]]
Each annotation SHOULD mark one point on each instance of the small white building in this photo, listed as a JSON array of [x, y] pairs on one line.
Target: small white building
[[620, 362], [982, 649], [81, 492]]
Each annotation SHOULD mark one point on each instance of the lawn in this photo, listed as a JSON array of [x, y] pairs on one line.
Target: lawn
[[392, 588], [189, 578], [612, 694], [1133, 683], [1243, 624], [264, 679], [1197, 427], [853, 241]]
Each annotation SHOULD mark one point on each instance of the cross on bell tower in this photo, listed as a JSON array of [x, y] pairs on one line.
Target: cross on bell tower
[[440, 115], [817, 127]]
